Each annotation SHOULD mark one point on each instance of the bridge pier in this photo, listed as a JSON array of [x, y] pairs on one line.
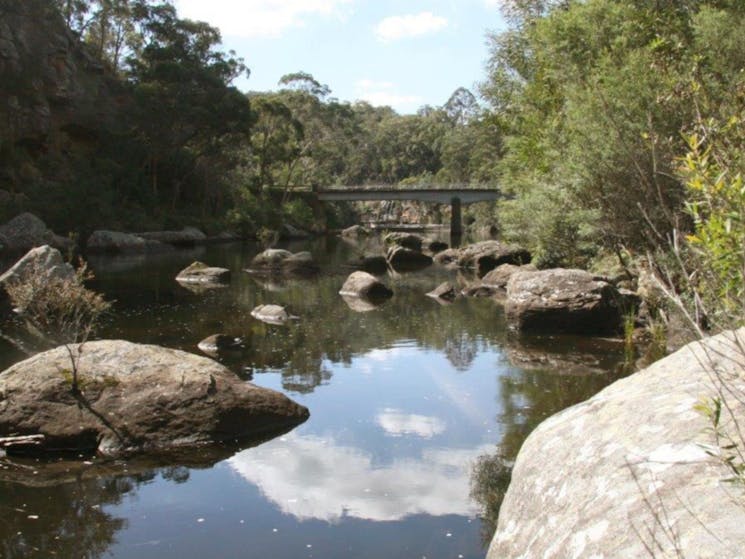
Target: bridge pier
[[456, 220]]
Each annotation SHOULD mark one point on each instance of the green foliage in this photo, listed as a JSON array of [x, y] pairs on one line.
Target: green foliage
[[713, 170]]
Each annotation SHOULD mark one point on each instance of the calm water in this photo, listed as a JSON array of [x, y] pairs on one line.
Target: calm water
[[404, 400]]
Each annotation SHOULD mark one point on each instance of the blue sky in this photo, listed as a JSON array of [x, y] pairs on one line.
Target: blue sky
[[404, 53]]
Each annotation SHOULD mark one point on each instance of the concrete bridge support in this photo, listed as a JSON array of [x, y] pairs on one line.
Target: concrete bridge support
[[456, 219]]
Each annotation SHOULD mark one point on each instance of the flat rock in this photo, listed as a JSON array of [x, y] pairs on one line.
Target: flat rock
[[135, 397], [188, 236], [635, 468], [563, 301], [117, 241], [200, 273], [364, 285]]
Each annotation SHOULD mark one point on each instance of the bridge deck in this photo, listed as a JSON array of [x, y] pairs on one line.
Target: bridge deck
[[439, 195]]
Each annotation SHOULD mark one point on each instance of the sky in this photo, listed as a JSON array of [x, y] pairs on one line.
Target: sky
[[402, 53]]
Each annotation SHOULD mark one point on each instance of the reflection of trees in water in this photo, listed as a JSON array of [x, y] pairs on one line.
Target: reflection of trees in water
[[71, 521], [63, 511], [461, 351], [490, 477], [526, 398]]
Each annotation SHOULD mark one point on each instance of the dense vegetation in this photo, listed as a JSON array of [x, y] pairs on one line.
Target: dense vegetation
[[615, 124], [622, 123]]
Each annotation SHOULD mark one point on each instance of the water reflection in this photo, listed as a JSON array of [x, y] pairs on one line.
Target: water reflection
[[415, 406], [397, 423], [312, 477]]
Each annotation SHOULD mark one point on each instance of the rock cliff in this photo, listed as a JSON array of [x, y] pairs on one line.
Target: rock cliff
[[55, 98]]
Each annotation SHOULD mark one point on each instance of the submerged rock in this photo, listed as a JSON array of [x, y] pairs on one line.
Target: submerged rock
[[135, 397], [216, 343], [563, 301], [272, 314], [366, 286], [635, 468], [202, 274]]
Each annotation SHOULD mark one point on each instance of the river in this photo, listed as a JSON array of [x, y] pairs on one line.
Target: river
[[405, 401]]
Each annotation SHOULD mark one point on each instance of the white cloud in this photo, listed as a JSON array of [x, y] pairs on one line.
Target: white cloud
[[411, 25], [398, 423], [385, 94], [259, 18], [313, 477]]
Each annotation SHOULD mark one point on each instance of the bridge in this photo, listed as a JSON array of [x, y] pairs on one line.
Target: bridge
[[449, 195]]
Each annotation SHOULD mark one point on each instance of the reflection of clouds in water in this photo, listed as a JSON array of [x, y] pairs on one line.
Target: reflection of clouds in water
[[381, 359], [314, 478], [398, 423]]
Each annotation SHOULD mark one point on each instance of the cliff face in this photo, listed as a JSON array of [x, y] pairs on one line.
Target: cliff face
[[55, 99]]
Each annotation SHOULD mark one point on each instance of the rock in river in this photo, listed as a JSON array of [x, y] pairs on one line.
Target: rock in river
[[563, 301], [201, 273], [214, 344], [271, 314], [135, 397], [635, 468], [367, 286]]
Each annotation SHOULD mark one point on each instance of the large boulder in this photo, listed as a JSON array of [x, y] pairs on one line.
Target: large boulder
[[41, 260], [188, 236], [637, 470], [200, 273], [563, 301], [26, 231], [366, 286], [135, 397], [116, 241]]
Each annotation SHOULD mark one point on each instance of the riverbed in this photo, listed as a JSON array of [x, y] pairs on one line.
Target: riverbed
[[405, 400]]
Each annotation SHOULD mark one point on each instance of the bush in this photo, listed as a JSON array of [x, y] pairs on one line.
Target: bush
[[60, 310]]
